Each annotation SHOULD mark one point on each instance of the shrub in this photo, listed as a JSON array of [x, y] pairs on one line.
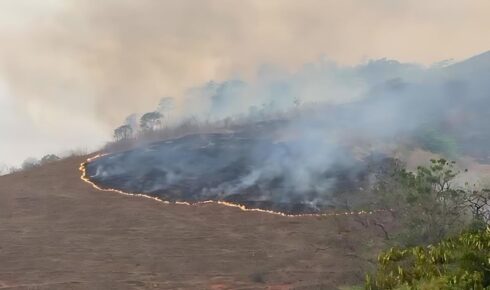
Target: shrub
[[462, 262]]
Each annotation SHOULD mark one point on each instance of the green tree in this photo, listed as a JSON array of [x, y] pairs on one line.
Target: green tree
[[151, 121], [425, 202], [123, 132]]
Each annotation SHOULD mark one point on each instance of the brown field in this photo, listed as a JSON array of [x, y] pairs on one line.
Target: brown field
[[57, 232]]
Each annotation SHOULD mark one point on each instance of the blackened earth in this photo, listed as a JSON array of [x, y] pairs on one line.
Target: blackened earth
[[221, 167]]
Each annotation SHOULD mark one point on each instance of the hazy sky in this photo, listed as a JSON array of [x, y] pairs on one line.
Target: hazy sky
[[72, 70]]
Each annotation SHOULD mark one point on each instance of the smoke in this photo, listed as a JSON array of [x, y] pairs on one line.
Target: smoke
[[125, 54], [100, 62], [298, 144], [275, 89]]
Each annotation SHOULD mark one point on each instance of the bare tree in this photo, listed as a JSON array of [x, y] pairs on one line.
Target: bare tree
[[479, 203]]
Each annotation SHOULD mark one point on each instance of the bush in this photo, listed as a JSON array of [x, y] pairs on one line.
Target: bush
[[458, 263]]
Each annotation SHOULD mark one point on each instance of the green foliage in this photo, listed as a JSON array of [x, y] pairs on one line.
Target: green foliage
[[123, 132], [151, 121], [432, 212], [426, 204], [462, 262]]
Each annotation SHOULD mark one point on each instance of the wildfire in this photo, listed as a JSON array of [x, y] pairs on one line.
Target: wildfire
[[225, 203]]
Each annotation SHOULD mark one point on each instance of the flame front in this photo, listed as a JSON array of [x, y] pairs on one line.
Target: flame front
[[85, 178]]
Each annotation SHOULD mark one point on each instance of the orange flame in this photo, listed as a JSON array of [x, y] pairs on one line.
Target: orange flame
[[225, 203]]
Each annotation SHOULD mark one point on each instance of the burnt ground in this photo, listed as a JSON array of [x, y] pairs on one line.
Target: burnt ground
[[237, 167], [57, 232]]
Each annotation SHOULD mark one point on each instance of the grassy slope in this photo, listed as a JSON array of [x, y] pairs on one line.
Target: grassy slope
[[56, 232]]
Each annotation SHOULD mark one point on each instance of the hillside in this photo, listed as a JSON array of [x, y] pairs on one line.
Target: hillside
[[57, 232]]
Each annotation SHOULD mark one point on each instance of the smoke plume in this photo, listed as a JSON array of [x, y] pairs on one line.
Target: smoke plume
[[295, 143], [77, 69]]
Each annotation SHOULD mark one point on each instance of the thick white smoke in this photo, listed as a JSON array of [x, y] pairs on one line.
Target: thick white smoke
[[319, 142]]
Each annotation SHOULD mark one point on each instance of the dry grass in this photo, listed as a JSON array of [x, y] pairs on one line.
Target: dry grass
[[57, 232]]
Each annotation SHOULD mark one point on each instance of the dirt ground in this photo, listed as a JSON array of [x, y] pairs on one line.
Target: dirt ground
[[57, 232]]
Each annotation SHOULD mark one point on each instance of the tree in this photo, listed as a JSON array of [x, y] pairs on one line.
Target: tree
[[29, 163], [479, 203], [123, 132], [425, 202], [151, 121], [431, 209], [49, 158]]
